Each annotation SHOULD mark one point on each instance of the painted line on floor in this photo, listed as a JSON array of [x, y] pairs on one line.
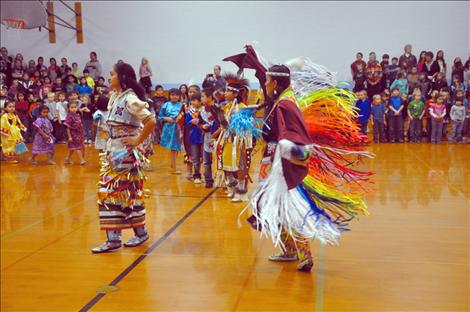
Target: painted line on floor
[[152, 248]]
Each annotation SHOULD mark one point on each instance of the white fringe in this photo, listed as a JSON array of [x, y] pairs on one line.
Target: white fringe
[[282, 209], [307, 76]]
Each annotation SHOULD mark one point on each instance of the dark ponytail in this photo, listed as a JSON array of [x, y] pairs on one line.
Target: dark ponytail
[[128, 79]]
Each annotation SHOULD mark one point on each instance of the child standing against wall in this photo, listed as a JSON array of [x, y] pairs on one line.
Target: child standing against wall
[[395, 117], [437, 112], [378, 118], [363, 104], [416, 110], [457, 116]]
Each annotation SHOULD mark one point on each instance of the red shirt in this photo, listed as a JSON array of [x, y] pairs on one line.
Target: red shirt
[[22, 108]]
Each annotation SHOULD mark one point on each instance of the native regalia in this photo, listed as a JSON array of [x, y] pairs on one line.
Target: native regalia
[[233, 150], [307, 187], [121, 192], [12, 141]]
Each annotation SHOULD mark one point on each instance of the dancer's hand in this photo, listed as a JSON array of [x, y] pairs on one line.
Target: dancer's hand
[[131, 141]]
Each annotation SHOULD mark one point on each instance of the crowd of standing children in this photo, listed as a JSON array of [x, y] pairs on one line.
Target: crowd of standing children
[[48, 105], [407, 100], [411, 99], [188, 122]]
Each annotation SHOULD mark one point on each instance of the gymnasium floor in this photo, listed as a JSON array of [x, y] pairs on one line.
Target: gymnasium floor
[[411, 254]]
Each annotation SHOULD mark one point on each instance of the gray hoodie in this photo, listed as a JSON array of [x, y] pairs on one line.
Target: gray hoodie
[[95, 69], [457, 113]]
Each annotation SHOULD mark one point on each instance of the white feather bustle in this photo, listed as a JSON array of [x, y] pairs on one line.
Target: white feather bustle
[[276, 208]]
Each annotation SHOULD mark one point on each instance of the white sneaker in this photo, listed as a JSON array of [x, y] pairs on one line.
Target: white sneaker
[[230, 192], [238, 198], [197, 181]]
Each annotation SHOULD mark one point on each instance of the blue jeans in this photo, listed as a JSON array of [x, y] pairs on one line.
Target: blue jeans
[[415, 130], [207, 161], [436, 132], [456, 132], [396, 128], [88, 129], [196, 154]]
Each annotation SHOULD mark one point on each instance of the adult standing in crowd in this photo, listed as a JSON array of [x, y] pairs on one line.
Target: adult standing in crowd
[[407, 60], [5, 66], [145, 72], [355, 64], [215, 81], [421, 61], [427, 68], [17, 70], [94, 66], [220, 82], [64, 68], [374, 76], [466, 73], [458, 69], [53, 69], [439, 65]]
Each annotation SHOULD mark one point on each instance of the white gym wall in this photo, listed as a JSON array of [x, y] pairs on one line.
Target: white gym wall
[[183, 40]]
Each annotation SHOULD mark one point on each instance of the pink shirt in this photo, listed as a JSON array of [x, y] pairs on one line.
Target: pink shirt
[[437, 110]]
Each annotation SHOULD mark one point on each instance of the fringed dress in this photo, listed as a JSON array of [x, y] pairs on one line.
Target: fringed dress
[[121, 188], [12, 141]]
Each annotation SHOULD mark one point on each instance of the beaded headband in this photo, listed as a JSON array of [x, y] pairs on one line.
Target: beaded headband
[[277, 74], [232, 89]]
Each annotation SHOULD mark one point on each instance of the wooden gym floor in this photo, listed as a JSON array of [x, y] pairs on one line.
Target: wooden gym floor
[[411, 254]]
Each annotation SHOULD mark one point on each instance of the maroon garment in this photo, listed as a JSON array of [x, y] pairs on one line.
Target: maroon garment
[[22, 108], [287, 122], [74, 123]]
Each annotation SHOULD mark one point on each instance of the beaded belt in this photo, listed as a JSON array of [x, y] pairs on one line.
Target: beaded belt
[[116, 132]]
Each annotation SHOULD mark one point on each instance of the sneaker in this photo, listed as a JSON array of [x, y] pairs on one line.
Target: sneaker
[[197, 181], [107, 246], [306, 265], [238, 198], [51, 162], [282, 257]]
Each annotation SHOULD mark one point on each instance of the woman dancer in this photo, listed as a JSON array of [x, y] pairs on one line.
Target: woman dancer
[[121, 190]]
